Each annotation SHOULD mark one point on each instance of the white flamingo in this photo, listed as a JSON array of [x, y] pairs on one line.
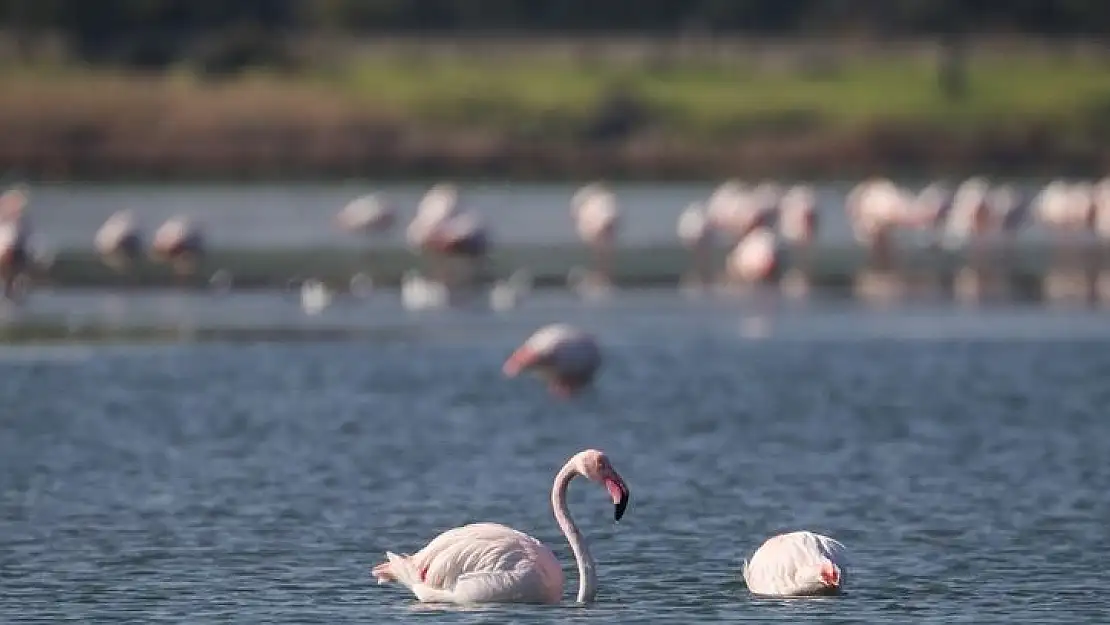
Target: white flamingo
[[369, 215], [696, 235], [756, 258], [797, 564], [734, 210], [119, 241], [596, 220], [566, 357], [180, 242], [15, 256], [492, 563], [444, 230]]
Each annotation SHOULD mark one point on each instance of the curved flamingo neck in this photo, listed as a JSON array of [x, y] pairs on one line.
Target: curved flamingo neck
[[587, 576]]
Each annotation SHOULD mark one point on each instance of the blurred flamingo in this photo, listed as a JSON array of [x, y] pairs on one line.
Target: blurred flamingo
[[597, 219], [180, 242], [119, 241], [566, 357], [696, 235]]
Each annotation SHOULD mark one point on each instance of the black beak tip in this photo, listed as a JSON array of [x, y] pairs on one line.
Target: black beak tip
[[618, 509]]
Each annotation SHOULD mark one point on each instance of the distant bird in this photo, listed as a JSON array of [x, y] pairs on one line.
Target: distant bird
[[492, 563], [119, 241], [369, 216], [876, 208], [180, 242], [797, 564], [446, 232], [756, 258], [596, 220], [15, 230], [566, 357], [734, 210], [420, 293], [696, 235]]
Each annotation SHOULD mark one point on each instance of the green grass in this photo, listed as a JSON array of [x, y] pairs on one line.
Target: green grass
[[714, 101]]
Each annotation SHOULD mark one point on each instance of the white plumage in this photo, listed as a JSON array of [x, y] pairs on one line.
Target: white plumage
[[797, 564]]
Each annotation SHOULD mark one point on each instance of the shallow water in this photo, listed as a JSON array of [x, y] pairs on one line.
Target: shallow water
[[959, 453]]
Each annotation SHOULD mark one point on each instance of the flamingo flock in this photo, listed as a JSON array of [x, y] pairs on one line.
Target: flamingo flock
[[768, 232]]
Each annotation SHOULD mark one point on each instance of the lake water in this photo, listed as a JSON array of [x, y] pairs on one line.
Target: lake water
[[960, 454]]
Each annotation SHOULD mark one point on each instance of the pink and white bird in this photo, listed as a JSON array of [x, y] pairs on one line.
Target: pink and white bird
[[15, 257], [756, 258], [119, 241], [596, 220], [735, 210], [448, 232], [492, 563], [566, 357], [797, 564], [180, 242], [696, 235], [368, 215]]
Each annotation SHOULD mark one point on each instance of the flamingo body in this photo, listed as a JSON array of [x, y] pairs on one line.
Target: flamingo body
[[797, 564], [368, 214], [565, 356], [119, 236], [479, 563], [755, 258]]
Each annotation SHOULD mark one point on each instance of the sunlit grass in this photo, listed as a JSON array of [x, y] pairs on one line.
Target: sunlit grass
[[523, 93]]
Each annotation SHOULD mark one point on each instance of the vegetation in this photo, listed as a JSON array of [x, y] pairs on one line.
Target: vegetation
[[311, 87]]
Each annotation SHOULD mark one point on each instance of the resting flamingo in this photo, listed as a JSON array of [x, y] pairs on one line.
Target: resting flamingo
[[371, 215], [756, 258], [180, 242], [696, 234], [492, 563], [119, 241], [797, 564], [596, 219], [15, 257], [444, 230], [566, 357]]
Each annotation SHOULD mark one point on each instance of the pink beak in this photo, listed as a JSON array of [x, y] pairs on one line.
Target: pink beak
[[830, 575], [520, 360]]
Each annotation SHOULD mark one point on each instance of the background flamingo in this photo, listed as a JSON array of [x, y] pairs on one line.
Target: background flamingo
[[492, 563], [756, 258], [119, 241], [596, 219], [14, 235], [797, 564], [371, 215], [696, 235], [445, 232], [566, 357], [180, 242]]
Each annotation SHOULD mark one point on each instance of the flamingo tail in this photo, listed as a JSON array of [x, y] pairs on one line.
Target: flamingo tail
[[403, 570]]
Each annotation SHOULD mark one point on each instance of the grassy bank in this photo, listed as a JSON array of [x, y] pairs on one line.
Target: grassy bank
[[532, 116]]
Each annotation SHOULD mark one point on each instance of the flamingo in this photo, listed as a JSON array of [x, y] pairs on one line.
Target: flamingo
[[735, 210], [14, 235], [445, 230], [756, 258], [797, 564], [180, 242], [596, 218], [566, 357], [798, 226], [119, 241], [370, 215], [492, 563], [696, 235]]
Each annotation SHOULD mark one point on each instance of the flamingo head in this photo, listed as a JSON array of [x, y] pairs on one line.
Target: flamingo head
[[829, 575], [594, 465]]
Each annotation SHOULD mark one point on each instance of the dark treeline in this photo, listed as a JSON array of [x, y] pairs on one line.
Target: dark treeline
[[159, 32]]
